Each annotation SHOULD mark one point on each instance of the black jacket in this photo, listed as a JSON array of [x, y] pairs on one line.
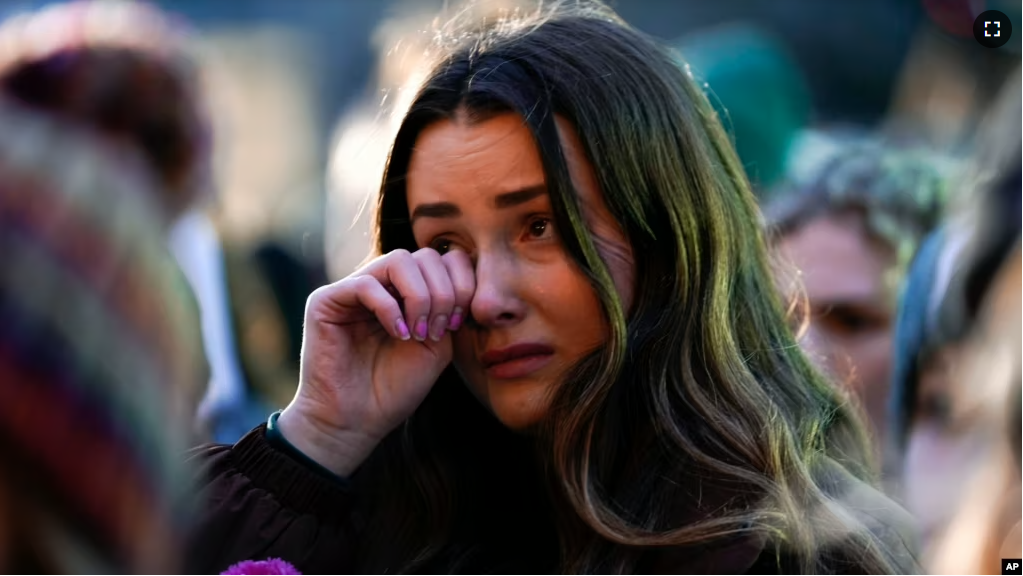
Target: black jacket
[[262, 501]]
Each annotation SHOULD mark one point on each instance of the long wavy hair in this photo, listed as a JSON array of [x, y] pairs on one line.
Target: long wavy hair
[[698, 421]]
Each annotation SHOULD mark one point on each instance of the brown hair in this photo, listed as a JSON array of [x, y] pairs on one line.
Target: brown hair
[[699, 422]]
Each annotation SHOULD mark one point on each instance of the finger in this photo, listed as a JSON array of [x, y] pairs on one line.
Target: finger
[[463, 281], [442, 294], [400, 270], [358, 292], [371, 295]]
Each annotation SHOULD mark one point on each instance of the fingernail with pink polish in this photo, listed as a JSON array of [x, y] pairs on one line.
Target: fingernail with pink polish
[[456, 319], [422, 328], [440, 324], [402, 329]]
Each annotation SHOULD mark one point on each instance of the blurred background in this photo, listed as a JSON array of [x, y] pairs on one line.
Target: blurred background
[[282, 74], [873, 107]]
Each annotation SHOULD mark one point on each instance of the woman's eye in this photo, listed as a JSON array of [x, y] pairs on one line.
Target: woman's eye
[[441, 245], [850, 320], [540, 227]]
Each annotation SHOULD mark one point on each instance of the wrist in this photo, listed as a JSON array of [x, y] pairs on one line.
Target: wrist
[[339, 451]]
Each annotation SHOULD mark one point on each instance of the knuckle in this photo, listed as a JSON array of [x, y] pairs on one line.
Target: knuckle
[[320, 299], [373, 263], [457, 257], [417, 301], [362, 282], [427, 255], [316, 297], [443, 301], [400, 257]]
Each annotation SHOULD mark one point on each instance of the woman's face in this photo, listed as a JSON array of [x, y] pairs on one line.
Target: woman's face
[[938, 452], [850, 330], [480, 187]]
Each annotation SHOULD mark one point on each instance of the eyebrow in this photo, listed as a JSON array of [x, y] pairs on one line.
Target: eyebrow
[[501, 201]]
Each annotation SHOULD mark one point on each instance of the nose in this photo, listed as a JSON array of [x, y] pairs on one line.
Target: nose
[[497, 302]]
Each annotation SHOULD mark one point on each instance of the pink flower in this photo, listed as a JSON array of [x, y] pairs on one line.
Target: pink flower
[[268, 566]]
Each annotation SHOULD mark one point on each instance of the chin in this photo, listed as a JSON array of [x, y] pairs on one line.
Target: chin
[[518, 407]]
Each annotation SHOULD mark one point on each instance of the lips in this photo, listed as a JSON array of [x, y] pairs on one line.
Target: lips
[[516, 361]]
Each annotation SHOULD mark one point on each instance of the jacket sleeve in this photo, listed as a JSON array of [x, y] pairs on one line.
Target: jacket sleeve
[[258, 502]]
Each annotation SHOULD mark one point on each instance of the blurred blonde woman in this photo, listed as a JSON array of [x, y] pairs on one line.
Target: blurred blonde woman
[[983, 388], [986, 526]]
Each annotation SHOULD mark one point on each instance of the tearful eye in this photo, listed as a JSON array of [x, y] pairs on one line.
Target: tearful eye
[[540, 227], [441, 245]]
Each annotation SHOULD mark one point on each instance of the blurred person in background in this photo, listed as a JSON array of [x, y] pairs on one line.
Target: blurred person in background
[[948, 83], [268, 215], [124, 68], [568, 354], [962, 465], [957, 403], [927, 353], [98, 357], [955, 394], [363, 138], [758, 91], [843, 238], [121, 68], [267, 288]]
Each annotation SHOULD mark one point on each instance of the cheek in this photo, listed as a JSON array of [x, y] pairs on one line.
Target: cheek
[[926, 460], [935, 468], [872, 355], [571, 311]]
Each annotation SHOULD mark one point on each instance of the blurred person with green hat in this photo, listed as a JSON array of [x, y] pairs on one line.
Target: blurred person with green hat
[[758, 91]]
